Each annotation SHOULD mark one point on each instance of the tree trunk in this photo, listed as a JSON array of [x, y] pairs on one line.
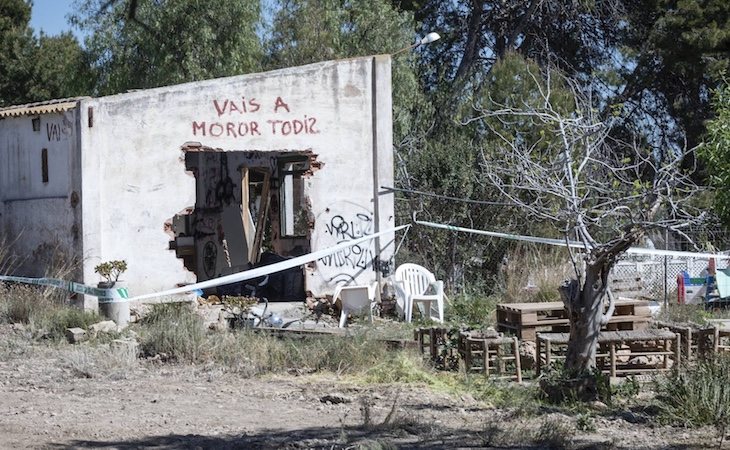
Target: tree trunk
[[473, 35], [585, 313]]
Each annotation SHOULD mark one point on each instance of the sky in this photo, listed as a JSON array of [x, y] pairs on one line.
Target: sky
[[50, 16]]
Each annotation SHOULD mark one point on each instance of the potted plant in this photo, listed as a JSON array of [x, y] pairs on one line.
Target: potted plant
[[110, 271], [109, 305]]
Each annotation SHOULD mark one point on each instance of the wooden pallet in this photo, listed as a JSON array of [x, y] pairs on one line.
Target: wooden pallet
[[525, 320], [618, 350], [625, 285]]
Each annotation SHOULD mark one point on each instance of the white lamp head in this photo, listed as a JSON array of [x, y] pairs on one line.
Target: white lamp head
[[430, 37]]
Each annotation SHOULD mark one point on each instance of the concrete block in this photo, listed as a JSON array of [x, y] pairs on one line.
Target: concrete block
[[76, 335]]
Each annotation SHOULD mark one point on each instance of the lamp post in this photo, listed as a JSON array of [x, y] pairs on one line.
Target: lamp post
[[427, 39]]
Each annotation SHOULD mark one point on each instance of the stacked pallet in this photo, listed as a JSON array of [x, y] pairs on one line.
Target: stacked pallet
[[525, 320]]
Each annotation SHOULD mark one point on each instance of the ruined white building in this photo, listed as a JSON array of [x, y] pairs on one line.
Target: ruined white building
[[194, 181]]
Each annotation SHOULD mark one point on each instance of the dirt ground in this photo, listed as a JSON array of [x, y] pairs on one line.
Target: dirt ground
[[46, 403]]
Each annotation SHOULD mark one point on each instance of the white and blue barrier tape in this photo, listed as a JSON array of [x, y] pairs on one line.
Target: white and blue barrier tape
[[572, 244], [108, 295], [121, 294]]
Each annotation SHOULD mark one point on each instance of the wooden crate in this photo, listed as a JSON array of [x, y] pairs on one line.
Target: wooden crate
[[618, 350], [498, 355], [525, 320], [440, 344], [713, 340]]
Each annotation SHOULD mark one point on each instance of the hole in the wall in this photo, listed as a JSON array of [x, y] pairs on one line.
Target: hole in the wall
[[236, 223], [36, 123]]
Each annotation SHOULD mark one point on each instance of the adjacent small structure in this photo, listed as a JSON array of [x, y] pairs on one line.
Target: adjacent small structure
[[194, 181]]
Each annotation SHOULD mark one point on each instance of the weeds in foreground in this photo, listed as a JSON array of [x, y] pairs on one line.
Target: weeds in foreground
[[554, 434], [174, 331], [697, 395], [112, 361], [44, 315], [248, 353], [522, 400]]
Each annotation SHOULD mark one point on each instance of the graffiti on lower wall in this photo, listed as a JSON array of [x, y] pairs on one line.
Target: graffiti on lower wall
[[343, 222], [342, 230]]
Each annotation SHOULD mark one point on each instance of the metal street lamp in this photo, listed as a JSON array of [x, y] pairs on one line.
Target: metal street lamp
[[427, 39]]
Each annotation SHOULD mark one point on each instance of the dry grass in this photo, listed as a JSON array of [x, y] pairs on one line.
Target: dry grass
[[103, 361], [43, 314], [249, 354], [532, 275]]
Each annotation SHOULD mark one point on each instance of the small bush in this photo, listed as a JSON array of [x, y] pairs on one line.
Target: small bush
[[471, 310], [175, 331], [524, 400], [630, 387], [698, 395], [585, 422]]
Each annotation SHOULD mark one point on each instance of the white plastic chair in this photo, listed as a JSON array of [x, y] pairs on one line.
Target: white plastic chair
[[419, 288], [354, 300]]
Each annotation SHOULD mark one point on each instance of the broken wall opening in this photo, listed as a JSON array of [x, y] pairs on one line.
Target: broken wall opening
[[250, 210]]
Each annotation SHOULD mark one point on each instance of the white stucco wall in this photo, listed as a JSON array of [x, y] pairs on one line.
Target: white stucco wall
[[39, 217], [134, 178]]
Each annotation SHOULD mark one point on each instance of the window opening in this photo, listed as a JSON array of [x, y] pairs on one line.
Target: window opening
[[292, 205], [44, 165]]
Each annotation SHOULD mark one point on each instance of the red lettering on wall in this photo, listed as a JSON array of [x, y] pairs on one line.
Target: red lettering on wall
[[280, 104], [220, 109], [198, 126], [216, 129], [235, 129]]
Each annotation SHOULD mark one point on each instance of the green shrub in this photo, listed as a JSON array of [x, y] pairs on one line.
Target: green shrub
[[698, 395], [401, 367], [471, 310], [585, 422], [174, 330]]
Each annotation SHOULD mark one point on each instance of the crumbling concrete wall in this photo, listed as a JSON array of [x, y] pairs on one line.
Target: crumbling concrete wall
[[39, 190], [134, 176]]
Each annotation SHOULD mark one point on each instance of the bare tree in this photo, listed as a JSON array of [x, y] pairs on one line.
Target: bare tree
[[555, 159]]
